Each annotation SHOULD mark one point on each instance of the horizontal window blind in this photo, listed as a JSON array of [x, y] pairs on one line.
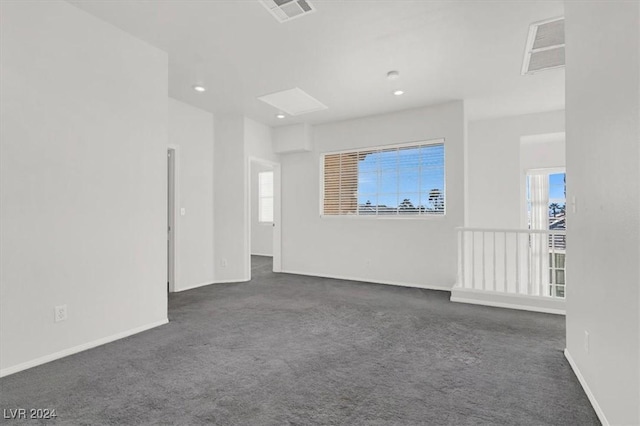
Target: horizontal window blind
[[400, 180], [265, 197]]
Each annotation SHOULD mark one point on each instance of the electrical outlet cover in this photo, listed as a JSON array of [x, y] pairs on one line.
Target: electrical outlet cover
[[60, 313]]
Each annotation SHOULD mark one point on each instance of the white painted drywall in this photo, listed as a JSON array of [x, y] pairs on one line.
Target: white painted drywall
[[292, 138], [258, 141], [495, 175], [407, 251], [236, 140], [603, 173], [191, 134], [261, 233], [83, 182], [231, 245]]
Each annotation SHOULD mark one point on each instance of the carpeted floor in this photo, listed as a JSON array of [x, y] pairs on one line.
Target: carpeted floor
[[287, 349]]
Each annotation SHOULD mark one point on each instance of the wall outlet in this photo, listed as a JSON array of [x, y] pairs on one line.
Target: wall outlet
[[223, 262], [60, 313], [586, 341]]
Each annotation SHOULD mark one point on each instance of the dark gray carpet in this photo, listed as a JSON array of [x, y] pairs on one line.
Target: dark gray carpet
[[286, 349]]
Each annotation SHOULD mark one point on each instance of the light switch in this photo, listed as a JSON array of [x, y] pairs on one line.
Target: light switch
[[183, 211], [574, 205]]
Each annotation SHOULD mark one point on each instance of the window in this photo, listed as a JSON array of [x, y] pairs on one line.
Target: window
[[265, 197], [546, 208], [546, 200], [385, 181]]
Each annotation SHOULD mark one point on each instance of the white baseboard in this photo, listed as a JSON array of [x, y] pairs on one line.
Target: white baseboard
[[70, 351], [508, 300], [587, 390], [368, 280], [231, 281], [190, 287], [507, 305]]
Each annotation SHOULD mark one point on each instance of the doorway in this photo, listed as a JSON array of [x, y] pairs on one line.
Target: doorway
[[171, 202], [264, 213]]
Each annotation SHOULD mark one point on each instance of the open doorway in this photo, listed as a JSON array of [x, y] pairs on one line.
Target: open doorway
[[171, 203], [264, 217]]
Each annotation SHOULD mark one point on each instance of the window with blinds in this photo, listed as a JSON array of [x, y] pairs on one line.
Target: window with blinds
[[265, 197], [397, 180]]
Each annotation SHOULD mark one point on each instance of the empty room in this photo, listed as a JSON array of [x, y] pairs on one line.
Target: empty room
[[320, 212]]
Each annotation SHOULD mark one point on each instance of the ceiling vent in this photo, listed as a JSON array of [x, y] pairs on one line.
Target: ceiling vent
[[545, 46], [286, 10]]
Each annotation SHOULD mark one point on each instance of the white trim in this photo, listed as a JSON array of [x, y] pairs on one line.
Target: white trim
[[507, 305], [587, 390], [261, 254], [384, 216], [80, 348], [191, 287], [277, 214], [176, 217], [232, 281], [522, 231], [368, 280], [419, 142], [546, 171], [497, 299]]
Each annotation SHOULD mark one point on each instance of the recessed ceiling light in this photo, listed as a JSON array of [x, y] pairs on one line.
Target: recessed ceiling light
[[398, 92], [199, 88], [392, 75], [280, 115]]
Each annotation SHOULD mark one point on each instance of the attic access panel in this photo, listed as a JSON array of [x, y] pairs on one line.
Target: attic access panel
[[293, 101]]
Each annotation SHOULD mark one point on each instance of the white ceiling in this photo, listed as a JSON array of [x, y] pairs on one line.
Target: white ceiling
[[340, 55]]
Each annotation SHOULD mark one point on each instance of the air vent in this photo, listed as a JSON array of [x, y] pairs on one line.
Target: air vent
[[286, 10], [545, 46]]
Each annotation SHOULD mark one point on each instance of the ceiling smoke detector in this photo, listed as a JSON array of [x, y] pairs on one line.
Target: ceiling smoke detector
[[286, 10], [545, 46]]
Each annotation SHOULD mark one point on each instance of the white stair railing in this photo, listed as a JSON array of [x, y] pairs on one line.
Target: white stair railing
[[512, 261]]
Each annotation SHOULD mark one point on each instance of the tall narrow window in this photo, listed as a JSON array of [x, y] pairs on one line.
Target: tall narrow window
[[546, 208], [546, 199], [265, 197], [385, 181]]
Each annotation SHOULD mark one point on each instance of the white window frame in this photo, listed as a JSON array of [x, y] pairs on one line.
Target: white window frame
[[546, 170], [439, 141], [261, 197]]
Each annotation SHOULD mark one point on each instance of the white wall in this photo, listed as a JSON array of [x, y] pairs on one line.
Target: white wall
[[259, 145], [495, 175], [231, 187], [237, 139], [191, 134], [603, 173], [261, 233], [407, 251], [83, 182], [258, 141]]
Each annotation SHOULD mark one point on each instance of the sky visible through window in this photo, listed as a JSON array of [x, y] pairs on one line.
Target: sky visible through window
[[556, 186], [389, 177]]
